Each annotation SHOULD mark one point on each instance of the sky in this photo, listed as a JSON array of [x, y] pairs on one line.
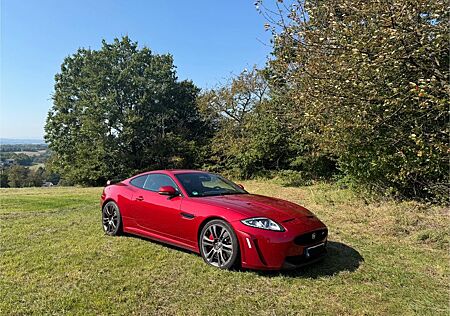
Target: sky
[[209, 40]]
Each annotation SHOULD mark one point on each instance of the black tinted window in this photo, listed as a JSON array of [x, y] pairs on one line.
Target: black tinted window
[[155, 181], [139, 181], [207, 184]]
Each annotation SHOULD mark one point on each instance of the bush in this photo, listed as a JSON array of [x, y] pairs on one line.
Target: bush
[[367, 82], [293, 178]]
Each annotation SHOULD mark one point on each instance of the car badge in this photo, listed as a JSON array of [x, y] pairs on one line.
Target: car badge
[[313, 236]]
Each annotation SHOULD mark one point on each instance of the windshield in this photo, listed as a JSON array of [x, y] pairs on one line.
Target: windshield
[[199, 184]]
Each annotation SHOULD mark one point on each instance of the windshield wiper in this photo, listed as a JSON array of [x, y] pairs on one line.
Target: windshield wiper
[[231, 193], [219, 193]]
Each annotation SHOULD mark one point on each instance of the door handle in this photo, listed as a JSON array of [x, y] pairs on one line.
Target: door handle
[[140, 198]]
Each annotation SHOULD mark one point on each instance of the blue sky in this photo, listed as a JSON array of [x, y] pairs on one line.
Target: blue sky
[[209, 41]]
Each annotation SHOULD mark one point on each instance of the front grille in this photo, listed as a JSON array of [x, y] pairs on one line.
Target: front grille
[[311, 237]]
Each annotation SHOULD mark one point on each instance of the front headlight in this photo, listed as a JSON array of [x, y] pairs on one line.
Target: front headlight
[[263, 223]]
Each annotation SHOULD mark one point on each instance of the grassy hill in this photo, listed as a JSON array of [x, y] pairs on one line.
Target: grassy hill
[[384, 258]]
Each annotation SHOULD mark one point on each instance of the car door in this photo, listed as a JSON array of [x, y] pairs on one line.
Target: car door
[[155, 212]]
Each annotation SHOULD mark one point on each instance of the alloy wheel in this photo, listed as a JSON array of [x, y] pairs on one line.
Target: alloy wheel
[[111, 218], [217, 245]]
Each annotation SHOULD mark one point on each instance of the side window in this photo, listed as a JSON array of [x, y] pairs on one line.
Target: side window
[[157, 180], [138, 181]]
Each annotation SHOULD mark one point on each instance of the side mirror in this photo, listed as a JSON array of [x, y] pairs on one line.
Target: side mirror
[[167, 190], [241, 186]]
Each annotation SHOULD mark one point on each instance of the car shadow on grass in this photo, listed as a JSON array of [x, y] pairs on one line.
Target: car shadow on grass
[[160, 243], [340, 258]]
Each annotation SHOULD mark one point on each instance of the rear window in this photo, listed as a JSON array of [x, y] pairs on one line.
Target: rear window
[[138, 181]]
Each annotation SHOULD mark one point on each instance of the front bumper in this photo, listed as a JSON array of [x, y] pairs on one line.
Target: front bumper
[[271, 250]]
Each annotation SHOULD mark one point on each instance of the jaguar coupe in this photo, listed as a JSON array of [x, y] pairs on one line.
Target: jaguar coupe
[[210, 215]]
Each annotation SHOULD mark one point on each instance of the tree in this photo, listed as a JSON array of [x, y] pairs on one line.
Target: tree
[[23, 159], [369, 82], [253, 135], [229, 110], [18, 176], [235, 100], [119, 110], [3, 179], [37, 177]]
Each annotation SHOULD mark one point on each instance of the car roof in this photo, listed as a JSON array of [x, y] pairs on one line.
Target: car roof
[[167, 171], [177, 171]]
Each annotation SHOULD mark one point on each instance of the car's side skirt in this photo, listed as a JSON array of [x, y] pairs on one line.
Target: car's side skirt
[[163, 239]]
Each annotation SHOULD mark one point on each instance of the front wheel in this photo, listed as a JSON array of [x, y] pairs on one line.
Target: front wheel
[[111, 219], [219, 245]]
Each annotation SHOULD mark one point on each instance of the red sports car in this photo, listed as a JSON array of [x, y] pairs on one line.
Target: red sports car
[[210, 215]]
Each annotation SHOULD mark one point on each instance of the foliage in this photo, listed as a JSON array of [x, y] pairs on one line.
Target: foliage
[[119, 110], [292, 178], [19, 177], [229, 110], [355, 90], [19, 158], [37, 177], [252, 133], [22, 147], [3, 180], [242, 140], [23, 159], [368, 82]]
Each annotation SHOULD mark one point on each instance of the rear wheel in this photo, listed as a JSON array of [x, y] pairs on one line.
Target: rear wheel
[[111, 219], [219, 245]]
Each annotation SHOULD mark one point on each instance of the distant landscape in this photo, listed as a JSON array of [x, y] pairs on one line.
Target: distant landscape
[[22, 164], [20, 141]]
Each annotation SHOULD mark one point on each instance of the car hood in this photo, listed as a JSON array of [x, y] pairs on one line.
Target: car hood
[[252, 205]]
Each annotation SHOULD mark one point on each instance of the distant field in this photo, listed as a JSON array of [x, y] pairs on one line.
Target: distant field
[[37, 166], [384, 259], [31, 153]]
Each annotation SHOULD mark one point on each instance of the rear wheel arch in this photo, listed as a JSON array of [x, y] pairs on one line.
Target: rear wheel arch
[[106, 201]]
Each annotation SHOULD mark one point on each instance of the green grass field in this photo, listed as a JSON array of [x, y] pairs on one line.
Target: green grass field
[[384, 258]]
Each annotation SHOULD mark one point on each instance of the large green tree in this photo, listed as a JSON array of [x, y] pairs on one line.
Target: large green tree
[[253, 134], [368, 81], [231, 110], [119, 110]]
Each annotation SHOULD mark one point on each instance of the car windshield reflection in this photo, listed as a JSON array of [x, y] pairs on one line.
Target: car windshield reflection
[[202, 184]]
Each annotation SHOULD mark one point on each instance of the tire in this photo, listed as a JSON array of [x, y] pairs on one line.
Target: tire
[[219, 245], [111, 219]]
